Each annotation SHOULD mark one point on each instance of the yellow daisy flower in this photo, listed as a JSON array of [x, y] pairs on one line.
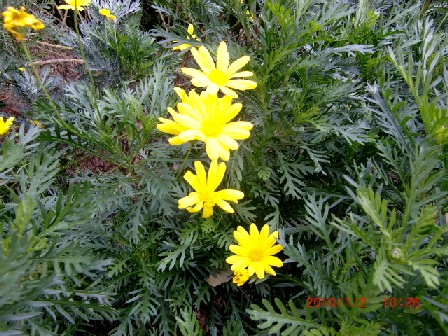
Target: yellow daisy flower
[[205, 197], [240, 277], [15, 22], [206, 118], [219, 77], [107, 14], [255, 251], [191, 33], [75, 4], [5, 125]]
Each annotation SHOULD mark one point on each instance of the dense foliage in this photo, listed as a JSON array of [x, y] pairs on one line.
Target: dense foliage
[[346, 159]]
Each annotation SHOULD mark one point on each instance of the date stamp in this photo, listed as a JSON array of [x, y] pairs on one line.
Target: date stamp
[[409, 302], [333, 302], [388, 302]]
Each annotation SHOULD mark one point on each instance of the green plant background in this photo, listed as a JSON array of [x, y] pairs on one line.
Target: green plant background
[[347, 160]]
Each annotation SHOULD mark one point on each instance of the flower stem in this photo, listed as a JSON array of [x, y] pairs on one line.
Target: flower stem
[[182, 167]]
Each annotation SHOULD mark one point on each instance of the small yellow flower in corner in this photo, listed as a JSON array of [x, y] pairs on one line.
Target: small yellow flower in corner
[[191, 33], [206, 118], [255, 251], [240, 277], [37, 123], [219, 77], [21, 69], [75, 4], [205, 197], [107, 14], [15, 22], [5, 125]]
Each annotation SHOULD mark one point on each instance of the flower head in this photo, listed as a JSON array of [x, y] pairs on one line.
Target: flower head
[[75, 4], [16, 21], [191, 33], [206, 118], [107, 14], [219, 77], [5, 125], [205, 197], [255, 251], [240, 277]]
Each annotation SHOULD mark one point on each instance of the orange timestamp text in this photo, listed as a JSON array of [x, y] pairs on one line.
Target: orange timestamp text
[[333, 302], [409, 302]]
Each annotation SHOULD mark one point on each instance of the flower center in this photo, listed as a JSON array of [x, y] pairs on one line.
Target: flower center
[[218, 77], [211, 127], [256, 255]]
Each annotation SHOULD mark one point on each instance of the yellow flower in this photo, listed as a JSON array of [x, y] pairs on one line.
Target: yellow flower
[[5, 125], [21, 69], [106, 13], [75, 4], [255, 251], [219, 77], [191, 33], [205, 197], [37, 123], [206, 118], [16, 21], [240, 277]]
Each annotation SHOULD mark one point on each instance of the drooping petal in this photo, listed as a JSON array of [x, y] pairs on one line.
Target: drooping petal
[[215, 150], [227, 142], [208, 211], [188, 201], [224, 205], [274, 261]]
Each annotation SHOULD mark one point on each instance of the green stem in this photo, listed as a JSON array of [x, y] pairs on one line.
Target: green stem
[[83, 56], [181, 168], [37, 75]]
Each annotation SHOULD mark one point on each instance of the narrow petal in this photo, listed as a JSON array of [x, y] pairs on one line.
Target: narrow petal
[[201, 174], [188, 201], [187, 121], [222, 59], [212, 88], [193, 181], [176, 141], [242, 74], [227, 141], [208, 211], [253, 232], [193, 72], [269, 270], [274, 249], [230, 195], [215, 175], [273, 261], [264, 233], [238, 250], [238, 64], [241, 84], [190, 135], [215, 150], [224, 205], [259, 269], [237, 130], [228, 92]]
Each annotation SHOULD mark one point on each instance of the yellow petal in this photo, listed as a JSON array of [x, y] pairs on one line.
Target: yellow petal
[[190, 29], [242, 74], [241, 84], [193, 72], [215, 175], [237, 130], [274, 261], [193, 181], [224, 205], [253, 232], [230, 195], [208, 211], [188, 201], [201, 174], [228, 92], [222, 59], [227, 141], [215, 150], [238, 64]]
